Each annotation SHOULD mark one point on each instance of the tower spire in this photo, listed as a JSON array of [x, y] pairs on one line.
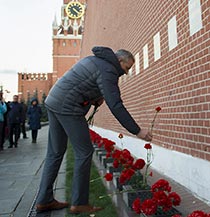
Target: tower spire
[[55, 26]]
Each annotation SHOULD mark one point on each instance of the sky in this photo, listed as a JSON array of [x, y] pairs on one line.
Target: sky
[[25, 38]]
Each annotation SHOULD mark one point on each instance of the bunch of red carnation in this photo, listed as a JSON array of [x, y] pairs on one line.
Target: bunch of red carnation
[[162, 198], [124, 159], [130, 167], [101, 142], [95, 138], [197, 213]]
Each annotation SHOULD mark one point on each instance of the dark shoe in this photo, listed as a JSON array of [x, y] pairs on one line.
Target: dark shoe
[[10, 146], [33, 141], [16, 145], [54, 205], [25, 137], [84, 209]]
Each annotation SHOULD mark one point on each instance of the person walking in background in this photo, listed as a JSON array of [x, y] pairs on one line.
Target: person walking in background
[[6, 125], [3, 109], [34, 116], [87, 83], [24, 113], [14, 121]]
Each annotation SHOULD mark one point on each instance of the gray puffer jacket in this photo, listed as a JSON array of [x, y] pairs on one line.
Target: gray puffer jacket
[[88, 80]]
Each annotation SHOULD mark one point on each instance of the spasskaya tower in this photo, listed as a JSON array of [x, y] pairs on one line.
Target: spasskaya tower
[[67, 37]]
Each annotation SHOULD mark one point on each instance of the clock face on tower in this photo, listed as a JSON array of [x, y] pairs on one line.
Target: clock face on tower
[[75, 10]]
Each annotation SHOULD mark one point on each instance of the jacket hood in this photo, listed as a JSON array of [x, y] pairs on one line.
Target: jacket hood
[[108, 55], [34, 99]]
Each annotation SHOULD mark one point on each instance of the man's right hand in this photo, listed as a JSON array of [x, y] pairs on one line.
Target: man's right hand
[[145, 135]]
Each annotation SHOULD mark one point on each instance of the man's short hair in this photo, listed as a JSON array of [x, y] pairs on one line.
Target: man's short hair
[[124, 55]]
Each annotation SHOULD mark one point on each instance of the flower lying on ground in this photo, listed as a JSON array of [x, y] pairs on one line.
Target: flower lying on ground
[[108, 176]]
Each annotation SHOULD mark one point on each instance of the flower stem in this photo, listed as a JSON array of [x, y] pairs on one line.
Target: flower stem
[[153, 122], [96, 179]]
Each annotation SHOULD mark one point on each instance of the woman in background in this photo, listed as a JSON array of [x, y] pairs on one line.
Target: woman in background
[[34, 115]]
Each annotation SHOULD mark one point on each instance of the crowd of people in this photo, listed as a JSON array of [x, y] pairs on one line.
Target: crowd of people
[[13, 118]]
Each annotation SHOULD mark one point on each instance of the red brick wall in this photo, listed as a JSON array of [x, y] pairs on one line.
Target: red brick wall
[[179, 82], [29, 83], [64, 56]]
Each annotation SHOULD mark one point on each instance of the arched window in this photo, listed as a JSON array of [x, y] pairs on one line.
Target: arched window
[[80, 30], [70, 30], [60, 30]]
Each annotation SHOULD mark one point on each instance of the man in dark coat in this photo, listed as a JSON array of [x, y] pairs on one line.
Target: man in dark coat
[[14, 121], [87, 82]]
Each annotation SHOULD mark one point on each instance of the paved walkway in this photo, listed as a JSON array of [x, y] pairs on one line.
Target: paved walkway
[[20, 172]]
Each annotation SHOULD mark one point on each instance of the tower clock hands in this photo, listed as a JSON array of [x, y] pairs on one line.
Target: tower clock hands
[[75, 10]]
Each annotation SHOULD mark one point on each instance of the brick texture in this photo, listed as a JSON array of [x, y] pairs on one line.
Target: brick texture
[[178, 82], [30, 84]]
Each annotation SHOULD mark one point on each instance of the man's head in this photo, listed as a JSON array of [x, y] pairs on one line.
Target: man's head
[[126, 59], [15, 98]]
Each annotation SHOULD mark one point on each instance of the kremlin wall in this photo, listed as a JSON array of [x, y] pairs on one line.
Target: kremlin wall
[[170, 42]]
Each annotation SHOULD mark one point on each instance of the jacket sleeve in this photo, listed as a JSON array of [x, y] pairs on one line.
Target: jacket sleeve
[[113, 99], [3, 107]]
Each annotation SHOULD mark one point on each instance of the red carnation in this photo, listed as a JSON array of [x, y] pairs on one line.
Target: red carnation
[[108, 176], [129, 162], [168, 205], [108, 154], [160, 197], [175, 198], [148, 146], [109, 145], [161, 185], [139, 164], [158, 109], [122, 178], [120, 135], [126, 154], [149, 207], [116, 154], [137, 205], [197, 213], [115, 164], [126, 175]]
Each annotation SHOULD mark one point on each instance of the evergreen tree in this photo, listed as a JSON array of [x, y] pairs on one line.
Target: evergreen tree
[[44, 110], [28, 103], [36, 94]]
